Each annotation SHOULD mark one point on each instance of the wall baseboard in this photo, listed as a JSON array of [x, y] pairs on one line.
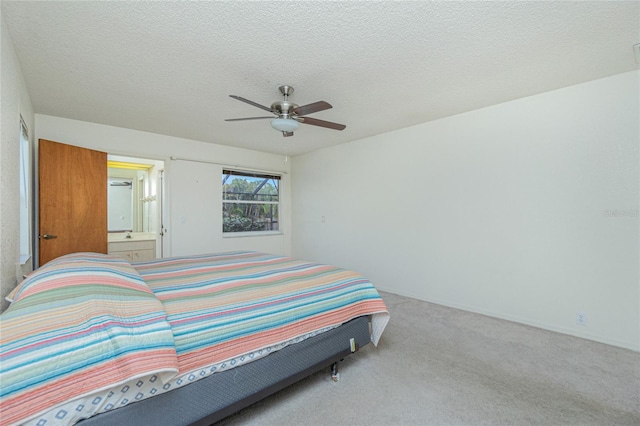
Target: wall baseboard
[[526, 321]]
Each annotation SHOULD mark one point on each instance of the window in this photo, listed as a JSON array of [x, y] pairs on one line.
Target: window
[[25, 185], [250, 202]]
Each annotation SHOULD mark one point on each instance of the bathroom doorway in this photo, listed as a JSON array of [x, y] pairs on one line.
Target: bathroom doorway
[[135, 199]]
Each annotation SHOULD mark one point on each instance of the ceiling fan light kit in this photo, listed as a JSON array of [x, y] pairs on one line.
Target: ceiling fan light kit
[[285, 124], [290, 115]]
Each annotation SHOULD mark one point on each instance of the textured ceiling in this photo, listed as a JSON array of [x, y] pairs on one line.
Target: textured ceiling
[[168, 67]]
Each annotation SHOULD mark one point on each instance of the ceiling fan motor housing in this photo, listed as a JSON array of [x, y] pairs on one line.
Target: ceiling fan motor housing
[[283, 108]]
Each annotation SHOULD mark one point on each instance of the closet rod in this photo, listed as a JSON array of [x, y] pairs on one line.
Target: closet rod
[[237, 167]]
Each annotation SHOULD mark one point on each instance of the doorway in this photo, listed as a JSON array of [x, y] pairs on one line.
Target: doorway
[[136, 202]]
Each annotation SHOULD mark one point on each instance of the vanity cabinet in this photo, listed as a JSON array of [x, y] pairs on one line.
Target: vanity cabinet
[[134, 250]]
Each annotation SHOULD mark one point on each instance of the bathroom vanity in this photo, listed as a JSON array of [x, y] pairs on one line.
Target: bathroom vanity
[[133, 246]]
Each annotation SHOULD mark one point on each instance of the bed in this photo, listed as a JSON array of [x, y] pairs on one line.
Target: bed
[[91, 338]]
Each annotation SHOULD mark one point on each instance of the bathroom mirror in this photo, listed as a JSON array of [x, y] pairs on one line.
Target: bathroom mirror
[[128, 187], [120, 201]]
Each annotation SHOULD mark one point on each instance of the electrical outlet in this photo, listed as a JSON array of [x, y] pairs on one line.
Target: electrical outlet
[[581, 318]]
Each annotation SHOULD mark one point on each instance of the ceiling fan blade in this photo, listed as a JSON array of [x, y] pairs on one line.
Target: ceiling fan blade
[[321, 123], [250, 102], [248, 118], [311, 108]]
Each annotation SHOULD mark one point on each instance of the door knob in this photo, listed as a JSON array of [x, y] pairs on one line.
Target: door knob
[[49, 236]]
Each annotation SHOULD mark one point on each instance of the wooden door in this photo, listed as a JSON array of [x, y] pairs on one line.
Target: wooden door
[[72, 200]]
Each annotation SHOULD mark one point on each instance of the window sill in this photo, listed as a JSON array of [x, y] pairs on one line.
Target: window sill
[[24, 259], [251, 234]]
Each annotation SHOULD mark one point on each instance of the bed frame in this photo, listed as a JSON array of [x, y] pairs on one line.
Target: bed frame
[[222, 394]]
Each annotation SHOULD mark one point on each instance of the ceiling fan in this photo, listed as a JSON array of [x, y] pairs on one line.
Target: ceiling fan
[[288, 115]]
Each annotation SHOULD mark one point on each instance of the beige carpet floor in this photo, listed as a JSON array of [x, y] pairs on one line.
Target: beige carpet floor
[[442, 366]]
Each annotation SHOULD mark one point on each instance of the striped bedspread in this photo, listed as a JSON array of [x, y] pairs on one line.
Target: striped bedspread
[[88, 326], [223, 305], [81, 323]]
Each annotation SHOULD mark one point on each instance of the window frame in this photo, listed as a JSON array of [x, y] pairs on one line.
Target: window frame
[[26, 246], [277, 203]]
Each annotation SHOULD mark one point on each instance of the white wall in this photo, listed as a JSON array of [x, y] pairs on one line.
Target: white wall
[[15, 101], [526, 210], [193, 189]]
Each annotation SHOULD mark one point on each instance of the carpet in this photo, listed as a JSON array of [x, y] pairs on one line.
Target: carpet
[[442, 366]]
